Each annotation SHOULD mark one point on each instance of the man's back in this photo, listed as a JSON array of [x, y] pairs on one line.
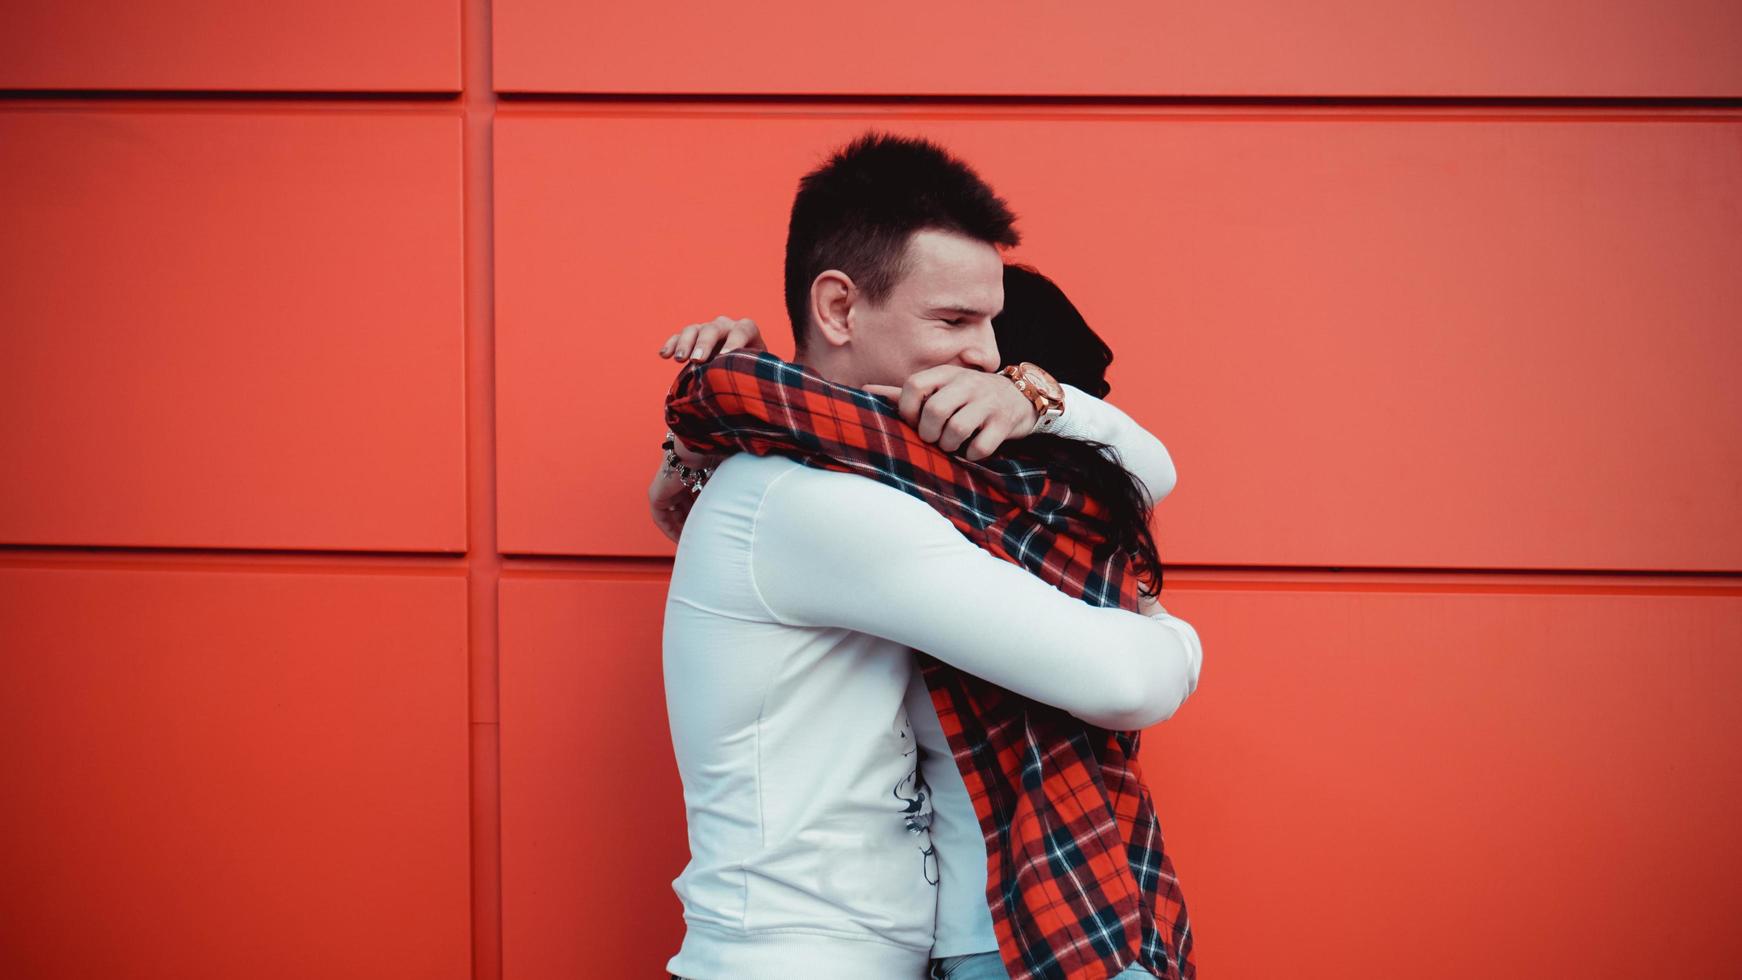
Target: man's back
[[796, 595], [807, 823]]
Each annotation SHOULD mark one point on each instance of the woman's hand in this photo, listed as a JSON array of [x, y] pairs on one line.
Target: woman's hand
[[700, 341], [668, 500], [1149, 605]]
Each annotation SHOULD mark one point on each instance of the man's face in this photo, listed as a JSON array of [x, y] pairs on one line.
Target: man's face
[[939, 313]]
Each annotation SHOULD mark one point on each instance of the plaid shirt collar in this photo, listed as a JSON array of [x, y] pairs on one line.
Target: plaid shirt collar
[[1078, 882]]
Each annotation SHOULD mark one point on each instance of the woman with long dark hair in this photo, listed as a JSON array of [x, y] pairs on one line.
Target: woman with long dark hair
[[1078, 496]]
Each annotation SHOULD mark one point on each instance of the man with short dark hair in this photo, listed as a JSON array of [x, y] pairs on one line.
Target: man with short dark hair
[[795, 709], [854, 217]]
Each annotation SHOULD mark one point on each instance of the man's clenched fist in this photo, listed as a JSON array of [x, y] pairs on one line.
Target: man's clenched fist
[[952, 405]]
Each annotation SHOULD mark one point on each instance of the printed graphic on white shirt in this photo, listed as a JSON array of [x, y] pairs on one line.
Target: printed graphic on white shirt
[[915, 796]]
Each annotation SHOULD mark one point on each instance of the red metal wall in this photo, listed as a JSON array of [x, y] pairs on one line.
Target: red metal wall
[[329, 611]]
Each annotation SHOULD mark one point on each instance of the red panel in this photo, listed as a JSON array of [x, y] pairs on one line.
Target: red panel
[[1382, 339], [592, 808], [1126, 47], [1386, 784], [255, 45], [1443, 770], [234, 772], [232, 330]]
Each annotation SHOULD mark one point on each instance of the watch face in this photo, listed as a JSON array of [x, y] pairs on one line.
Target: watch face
[[1043, 382]]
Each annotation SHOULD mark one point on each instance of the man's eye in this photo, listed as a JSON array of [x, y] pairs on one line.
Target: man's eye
[[955, 321]]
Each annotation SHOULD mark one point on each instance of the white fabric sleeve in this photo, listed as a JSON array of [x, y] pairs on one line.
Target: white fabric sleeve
[[840, 550], [1088, 417]]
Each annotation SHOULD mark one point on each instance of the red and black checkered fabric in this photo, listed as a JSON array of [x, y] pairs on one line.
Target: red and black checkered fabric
[[1078, 882]]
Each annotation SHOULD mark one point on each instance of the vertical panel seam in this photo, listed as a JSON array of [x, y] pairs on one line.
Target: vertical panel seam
[[484, 564]]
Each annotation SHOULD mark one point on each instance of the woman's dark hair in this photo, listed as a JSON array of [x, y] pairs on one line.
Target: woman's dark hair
[[1040, 324]]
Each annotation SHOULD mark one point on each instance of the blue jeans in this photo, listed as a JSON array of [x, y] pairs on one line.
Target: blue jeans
[[988, 966]]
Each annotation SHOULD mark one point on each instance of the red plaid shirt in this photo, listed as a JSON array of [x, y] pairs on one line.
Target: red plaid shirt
[[1077, 880]]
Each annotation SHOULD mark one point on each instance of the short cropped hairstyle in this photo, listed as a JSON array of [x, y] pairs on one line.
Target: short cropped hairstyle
[[856, 212]]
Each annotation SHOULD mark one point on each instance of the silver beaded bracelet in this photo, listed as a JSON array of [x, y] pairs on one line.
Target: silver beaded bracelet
[[688, 476]]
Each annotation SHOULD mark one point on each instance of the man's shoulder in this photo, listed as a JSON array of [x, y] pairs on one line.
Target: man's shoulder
[[783, 490], [766, 520], [747, 470]]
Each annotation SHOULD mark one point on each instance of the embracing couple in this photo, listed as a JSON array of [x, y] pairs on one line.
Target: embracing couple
[[912, 631]]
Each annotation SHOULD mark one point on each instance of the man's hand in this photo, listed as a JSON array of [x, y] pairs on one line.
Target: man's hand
[[698, 341], [948, 404]]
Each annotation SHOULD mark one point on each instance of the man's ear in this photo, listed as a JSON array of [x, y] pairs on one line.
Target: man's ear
[[832, 295]]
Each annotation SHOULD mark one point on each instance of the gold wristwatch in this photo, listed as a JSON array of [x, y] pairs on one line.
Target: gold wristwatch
[[1039, 387]]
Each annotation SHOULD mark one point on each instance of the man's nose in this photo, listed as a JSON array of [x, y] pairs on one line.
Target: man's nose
[[982, 353]]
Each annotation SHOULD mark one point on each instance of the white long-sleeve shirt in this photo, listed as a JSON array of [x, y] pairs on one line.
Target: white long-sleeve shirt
[[795, 598]]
